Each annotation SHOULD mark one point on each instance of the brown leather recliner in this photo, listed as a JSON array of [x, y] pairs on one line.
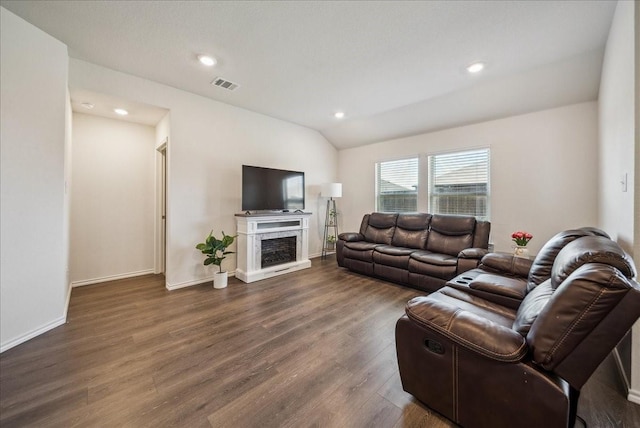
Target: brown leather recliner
[[484, 364], [506, 279]]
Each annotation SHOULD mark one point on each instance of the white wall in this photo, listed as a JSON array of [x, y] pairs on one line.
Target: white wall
[[616, 119], [619, 212], [209, 142], [113, 199], [33, 85], [543, 171]]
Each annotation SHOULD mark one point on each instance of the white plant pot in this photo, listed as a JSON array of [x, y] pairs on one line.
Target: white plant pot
[[220, 280]]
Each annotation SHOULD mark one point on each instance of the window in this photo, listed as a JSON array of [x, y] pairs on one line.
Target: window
[[397, 185], [459, 183]]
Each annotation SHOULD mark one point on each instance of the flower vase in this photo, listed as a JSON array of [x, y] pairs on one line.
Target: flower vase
[[521, 251]]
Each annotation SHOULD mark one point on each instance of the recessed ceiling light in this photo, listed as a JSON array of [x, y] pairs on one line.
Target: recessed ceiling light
[[475, 67], [87, 105], [121, 111], [207, 60], [339, 115]]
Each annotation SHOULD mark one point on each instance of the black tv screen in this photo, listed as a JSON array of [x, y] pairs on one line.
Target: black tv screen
[[268, 189]]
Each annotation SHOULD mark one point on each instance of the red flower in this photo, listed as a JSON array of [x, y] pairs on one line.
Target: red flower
[[521, 238]]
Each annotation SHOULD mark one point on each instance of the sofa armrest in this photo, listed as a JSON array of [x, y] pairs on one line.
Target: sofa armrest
[[472, 253], [469, 258], [351, 236], [467, 329], [507, 264]]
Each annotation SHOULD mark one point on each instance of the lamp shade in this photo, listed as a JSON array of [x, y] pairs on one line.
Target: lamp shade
[[332, 190]]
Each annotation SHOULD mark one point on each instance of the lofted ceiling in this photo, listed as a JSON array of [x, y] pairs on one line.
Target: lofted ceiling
[[396, 68]]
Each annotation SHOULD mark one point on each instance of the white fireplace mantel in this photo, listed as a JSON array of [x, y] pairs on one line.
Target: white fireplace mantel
[[252, 229]]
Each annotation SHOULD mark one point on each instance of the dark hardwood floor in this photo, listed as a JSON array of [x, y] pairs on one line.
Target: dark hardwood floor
[[312, 348]]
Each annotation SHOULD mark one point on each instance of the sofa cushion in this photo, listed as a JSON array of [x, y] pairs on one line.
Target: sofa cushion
[[437, 265], [359, 250], [389, 255], [577, 307], [380, 228], [590, 249], [453, 225], [412, 230], [360, 245], [498, 284], [450, 234], [531, 307], [394, 251], [434, 258], [540, 269]]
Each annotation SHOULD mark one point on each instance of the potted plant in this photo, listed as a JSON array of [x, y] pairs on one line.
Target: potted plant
[[331, 242], [332, 217], [215, 251]]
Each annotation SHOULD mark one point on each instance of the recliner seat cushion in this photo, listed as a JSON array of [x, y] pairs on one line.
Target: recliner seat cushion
[[359, 250], [507, 286], [437, 265], [392, 256], [434, 258]]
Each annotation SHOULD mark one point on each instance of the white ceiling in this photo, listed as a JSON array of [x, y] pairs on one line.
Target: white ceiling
[[395, 68]]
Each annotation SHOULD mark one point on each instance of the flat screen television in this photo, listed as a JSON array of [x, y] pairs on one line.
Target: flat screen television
[[268, 189]]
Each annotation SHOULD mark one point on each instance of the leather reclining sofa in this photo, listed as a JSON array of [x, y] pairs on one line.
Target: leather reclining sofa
[[512, 342], [418, 249]]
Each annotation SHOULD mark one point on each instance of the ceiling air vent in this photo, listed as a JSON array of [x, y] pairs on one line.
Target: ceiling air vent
[[222, 83]]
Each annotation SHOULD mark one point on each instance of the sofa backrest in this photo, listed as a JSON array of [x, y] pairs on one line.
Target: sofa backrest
[[481, 234], [364, 224], [412, 230], [593, 303], [541, 267], [380, 228], [451, 234]]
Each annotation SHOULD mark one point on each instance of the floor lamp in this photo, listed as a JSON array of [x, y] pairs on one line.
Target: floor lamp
[[330, 190]]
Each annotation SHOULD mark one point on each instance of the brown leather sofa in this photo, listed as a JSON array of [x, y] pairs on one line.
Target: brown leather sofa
[[483, 363], [417, 249]]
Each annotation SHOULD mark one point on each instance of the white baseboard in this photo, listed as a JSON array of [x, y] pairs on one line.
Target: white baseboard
[[111, 278], [633, 395], [33, 333], [66, 305], [193, 282], [42, 329]]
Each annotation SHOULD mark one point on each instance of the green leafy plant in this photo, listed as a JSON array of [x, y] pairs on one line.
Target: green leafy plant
[[332, 217], [215, 249], [331, 239]]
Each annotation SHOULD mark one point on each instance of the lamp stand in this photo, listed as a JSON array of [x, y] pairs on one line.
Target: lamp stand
[[330, 228]]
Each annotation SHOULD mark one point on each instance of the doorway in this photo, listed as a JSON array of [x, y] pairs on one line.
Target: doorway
[[161, 232]]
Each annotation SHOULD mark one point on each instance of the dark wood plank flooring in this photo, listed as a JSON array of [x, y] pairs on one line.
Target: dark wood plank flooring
[[312, 348]]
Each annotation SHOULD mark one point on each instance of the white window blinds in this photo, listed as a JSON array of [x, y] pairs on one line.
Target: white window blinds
[[459, 183], [397, 185]]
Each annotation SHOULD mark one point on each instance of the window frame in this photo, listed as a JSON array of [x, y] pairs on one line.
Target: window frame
[[377, 173], [428, 184], [423, 190]]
